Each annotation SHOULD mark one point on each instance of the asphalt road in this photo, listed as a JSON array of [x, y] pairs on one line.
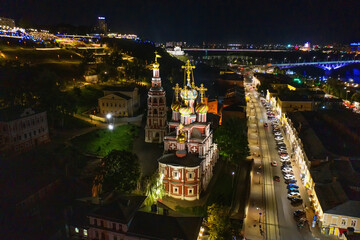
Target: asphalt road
[[278, 218]]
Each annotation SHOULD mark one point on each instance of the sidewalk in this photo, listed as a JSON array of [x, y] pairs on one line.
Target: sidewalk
[[252, 228]]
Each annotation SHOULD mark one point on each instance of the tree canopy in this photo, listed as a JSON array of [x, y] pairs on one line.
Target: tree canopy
[[218, 222], [119, 172], [232, 141], [154, 189]]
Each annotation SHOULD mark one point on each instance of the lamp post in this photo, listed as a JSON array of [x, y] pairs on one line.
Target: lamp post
[[258, 175], [299, 59], [232, 183], [314, 58]]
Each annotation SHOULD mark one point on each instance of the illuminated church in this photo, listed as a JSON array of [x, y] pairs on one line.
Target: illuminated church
[[190, 154]]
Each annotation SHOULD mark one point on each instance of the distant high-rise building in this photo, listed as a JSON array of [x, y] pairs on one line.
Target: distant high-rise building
[[7, 22], [102, 26]]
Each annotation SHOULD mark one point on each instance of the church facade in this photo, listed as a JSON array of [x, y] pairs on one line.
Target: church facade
[[190, 154]]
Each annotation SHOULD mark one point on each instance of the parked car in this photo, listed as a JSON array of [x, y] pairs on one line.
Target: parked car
[[299, 213], [274, 163], [278, 133], [289, 176], [287, 171], [294, 194], [286, 166], [293, 190], [296, 201], [279, 138], [287, 181], [291, 185], [266, 125]]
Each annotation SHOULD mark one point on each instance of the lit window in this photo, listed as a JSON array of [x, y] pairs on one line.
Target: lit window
[[353, 222], [76, 230], [85, 232], [343, 222]]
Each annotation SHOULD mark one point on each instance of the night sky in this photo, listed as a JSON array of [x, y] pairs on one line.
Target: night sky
[[245, 21]]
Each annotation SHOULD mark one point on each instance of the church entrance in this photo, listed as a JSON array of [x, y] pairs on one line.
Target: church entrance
[[156, 137]]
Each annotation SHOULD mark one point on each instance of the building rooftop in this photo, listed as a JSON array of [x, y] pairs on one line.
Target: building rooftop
[[117, 94], [234, 108], [348, 208], [330, 196], [154, 226], [17, 112], [120, 210], [119, 89]]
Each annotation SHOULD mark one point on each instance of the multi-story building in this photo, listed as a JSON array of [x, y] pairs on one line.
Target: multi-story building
[[190, 154], [124, 218], [326, 154], [102, 26], [22, 129], [156, 114], [120, 101]]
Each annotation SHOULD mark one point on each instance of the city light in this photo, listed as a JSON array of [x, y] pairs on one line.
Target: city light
[[108, 116], [111, 127]]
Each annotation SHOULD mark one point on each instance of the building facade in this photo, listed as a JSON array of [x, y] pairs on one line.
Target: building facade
[[156, 115], [7, 22], [22, 129], [190, 154], [119, 102]]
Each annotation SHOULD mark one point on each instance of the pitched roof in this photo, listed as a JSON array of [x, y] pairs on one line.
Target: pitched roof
[[17, 112], [349, 208], [154, 226], [120, 210], [122, 89], [116, 94]]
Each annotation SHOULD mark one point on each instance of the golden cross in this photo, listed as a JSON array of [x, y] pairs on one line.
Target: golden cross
[[156, 56], [177, 90], [202, 90], [188, 68]]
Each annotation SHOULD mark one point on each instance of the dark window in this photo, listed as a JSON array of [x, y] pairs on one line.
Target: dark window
[[102, 236], [114, 226], [25, 135], [96, 234], [103, 104], [102, 223], [115, 238], [95, 222], [34, 133], [14, 139]]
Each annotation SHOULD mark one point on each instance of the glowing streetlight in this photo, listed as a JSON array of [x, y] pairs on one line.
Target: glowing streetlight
[[111, 127], [108, 116]]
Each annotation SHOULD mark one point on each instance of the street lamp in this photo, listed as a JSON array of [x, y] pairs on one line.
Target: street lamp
[[314, 58], [299, 59], [108, 116], [111, 126], [232, 183]]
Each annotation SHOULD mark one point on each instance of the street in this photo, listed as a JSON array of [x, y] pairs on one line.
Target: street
[[269, 208]]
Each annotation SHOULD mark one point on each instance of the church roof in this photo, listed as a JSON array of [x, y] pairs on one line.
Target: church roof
[[117, 88], [190, 160], [155, 226]]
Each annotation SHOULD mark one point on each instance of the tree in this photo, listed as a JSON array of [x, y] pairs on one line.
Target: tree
[[355, 97], [218, 222], [231, 138], [119, 171], [154, 189]]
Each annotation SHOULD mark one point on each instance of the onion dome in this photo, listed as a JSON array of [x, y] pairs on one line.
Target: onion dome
[[181, 137], [202, 108], [176, 106], [185, 110], [188, 93]]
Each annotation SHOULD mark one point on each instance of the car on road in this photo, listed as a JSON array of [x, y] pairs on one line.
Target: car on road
[[293, 190], [277, 133], [284, 154], [283, 160], [277, 178], [279, 138], [299, 213], [282, 148], [274, 163], [292, 195], [286, 166], [289, 176], [266, 125], [287, 171], [296, 201], [291, 185], [287, 181]]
